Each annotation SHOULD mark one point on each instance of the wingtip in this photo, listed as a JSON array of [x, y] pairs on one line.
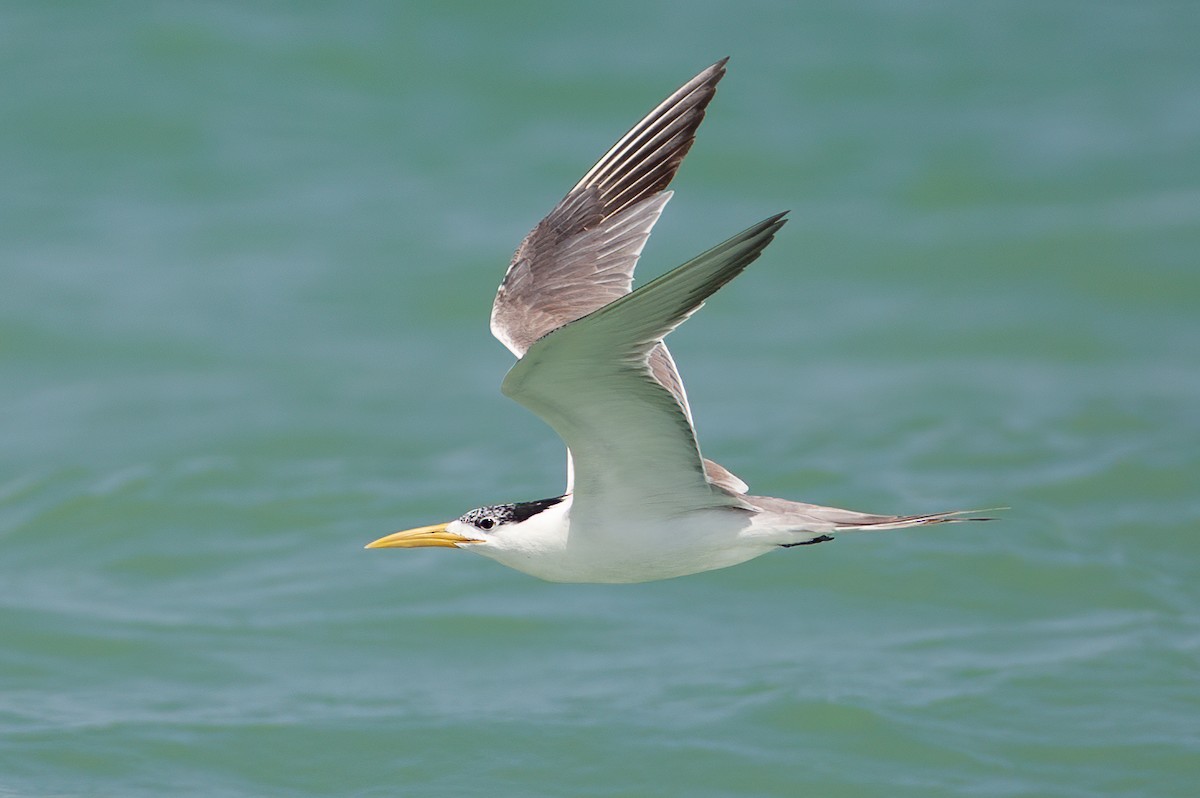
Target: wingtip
[[772, 223], [712, 74]]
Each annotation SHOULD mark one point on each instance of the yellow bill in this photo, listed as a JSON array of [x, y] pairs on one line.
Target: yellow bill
[[435, 535]]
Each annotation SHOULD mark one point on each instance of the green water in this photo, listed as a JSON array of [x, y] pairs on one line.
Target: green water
[[246, 257]]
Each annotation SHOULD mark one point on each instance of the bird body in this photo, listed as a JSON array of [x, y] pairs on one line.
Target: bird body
[[620, 547], [641, 502]]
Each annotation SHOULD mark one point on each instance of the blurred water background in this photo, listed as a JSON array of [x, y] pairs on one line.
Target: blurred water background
[[247, 253]]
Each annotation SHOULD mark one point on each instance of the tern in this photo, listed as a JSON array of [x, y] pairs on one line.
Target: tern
[[641, 503]]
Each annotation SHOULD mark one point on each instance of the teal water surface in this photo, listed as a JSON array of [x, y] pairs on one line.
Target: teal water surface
[[247, 253]]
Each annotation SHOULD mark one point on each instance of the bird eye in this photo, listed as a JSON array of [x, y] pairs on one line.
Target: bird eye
[[486, 523]]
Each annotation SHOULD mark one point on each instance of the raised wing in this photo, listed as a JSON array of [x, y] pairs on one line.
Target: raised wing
[[582, 255], [591, 380]]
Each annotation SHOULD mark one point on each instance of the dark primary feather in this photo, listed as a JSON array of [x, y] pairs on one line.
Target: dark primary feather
[[582, 255]]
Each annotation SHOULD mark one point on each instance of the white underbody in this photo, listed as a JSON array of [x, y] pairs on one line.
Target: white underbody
[[552, 546]]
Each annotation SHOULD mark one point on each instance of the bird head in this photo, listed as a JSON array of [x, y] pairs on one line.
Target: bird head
[[489, 526]]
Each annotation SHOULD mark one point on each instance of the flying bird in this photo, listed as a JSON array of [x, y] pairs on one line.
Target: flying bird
[[641, 503]]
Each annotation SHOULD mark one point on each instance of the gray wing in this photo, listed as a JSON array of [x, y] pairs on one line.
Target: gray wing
[[632, 444], [582, 255]]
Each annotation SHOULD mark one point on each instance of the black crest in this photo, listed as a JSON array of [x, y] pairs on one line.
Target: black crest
[[496, 514]]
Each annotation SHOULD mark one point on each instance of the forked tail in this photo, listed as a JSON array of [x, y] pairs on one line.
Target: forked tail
[[851, 521], [821, 522]]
